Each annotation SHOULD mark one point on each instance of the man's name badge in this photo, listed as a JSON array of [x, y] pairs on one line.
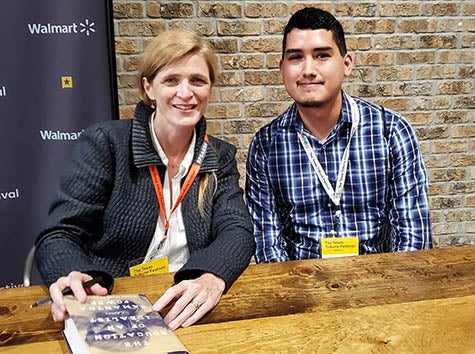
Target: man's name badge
[[339, 246], [156, 266]]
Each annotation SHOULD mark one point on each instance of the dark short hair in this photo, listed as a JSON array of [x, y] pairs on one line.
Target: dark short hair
[[313, 18]]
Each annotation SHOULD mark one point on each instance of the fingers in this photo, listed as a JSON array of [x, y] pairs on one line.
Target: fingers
[[194, 298], [76, 285], [190, 310], [73, 281], [169, 295], [183, 293], [199, 310], [97, 289], [58, 311]]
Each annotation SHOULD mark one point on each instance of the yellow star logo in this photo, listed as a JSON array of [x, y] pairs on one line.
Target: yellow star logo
[[66, 82]]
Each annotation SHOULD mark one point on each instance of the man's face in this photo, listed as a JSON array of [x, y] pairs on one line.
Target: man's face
[[313, 69]]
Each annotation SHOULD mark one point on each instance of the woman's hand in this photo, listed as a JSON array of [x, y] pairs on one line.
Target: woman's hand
[[74, 281], [194, 298]]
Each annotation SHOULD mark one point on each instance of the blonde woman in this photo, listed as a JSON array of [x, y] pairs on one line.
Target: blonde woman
[[156, 187]]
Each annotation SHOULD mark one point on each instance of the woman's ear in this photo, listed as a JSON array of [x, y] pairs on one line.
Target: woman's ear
[[147, 86]]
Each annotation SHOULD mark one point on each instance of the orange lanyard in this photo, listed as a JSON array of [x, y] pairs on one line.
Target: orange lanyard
[[157, 184]]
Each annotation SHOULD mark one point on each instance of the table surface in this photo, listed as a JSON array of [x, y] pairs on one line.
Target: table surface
[[409, 302]]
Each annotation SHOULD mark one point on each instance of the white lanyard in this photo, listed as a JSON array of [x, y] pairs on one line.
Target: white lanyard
[[334, 194]]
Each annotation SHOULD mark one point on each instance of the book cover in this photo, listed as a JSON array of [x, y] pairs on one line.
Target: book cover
[[118, 324]]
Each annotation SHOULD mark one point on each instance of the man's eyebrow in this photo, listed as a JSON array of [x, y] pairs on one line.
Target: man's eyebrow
[[292, 50], [317, 49], [320, 49]]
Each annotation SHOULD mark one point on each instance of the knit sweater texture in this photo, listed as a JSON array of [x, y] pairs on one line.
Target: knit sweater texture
[[105, 212]]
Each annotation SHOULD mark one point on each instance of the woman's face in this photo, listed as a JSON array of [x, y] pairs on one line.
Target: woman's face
[[181, 91]]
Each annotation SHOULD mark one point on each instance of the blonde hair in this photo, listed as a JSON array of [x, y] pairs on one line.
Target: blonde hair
[[203, 191], [171, 46]]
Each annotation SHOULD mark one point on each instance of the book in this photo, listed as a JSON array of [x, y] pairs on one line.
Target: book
[[117, 324]]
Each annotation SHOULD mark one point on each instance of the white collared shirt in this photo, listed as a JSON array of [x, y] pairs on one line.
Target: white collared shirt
[[175, 246]]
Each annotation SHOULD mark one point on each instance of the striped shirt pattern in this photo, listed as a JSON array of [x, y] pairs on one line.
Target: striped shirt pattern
[[384, 198]]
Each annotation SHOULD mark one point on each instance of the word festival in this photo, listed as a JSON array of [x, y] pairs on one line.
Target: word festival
[[10, 195]]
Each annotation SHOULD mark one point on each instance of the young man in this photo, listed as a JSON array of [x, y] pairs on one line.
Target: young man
[[333, 175]]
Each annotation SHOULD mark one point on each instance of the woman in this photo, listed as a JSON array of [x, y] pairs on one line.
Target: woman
[[156, 187]]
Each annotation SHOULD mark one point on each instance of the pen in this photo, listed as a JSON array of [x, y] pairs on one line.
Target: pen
[[67, 291]]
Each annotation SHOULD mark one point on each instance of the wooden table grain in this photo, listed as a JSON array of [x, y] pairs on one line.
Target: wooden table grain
[[372, 303], [432, 326]]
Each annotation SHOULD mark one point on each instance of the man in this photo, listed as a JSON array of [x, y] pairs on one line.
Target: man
[[333, 175]]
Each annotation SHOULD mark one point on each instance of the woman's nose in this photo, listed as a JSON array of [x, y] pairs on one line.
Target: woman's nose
[[185, 90]]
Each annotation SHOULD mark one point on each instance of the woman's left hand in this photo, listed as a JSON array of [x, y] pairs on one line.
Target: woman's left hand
[[194, 298]]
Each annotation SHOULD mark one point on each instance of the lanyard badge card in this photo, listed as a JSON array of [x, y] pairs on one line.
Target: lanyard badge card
[[345, 245], [157, 262], [339, 243]]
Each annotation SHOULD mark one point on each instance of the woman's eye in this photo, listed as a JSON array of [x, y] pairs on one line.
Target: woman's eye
[[170, 80], [199, 81]]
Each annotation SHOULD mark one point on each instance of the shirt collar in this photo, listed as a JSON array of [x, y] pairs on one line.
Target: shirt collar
[[144, 153], [345, 116], [291, 117]]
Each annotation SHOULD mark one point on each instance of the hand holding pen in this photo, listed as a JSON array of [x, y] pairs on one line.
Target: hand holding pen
[[76, 283], [67, 291]]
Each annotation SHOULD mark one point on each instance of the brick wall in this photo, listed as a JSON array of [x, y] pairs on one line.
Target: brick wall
[[412, 56]]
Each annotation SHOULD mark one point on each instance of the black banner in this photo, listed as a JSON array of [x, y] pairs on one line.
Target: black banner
[[57, 76]]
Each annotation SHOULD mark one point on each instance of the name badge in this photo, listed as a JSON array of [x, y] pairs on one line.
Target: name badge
[[156, 266], [339, 246]]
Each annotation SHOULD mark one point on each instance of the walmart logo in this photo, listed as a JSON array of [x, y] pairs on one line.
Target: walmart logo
[[86, 27]]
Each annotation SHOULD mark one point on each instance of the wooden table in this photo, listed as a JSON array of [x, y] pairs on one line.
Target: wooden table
[[411, 302]]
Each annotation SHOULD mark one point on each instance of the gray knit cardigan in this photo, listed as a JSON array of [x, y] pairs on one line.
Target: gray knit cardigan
[[105, 212]]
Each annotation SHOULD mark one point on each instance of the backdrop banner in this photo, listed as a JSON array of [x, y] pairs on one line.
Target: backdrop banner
[[57, 76]]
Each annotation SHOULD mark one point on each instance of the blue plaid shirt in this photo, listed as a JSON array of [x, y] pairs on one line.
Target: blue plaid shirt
[[384, 197]]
